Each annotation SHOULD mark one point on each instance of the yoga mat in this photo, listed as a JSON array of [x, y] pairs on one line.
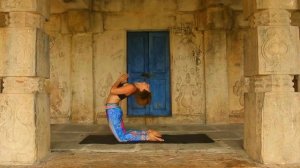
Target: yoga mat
[[181, 139]]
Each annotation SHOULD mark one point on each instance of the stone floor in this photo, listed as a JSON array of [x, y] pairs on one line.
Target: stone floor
[[224, 153]]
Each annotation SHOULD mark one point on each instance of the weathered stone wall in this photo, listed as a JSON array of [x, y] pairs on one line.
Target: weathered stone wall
[[205, 50]]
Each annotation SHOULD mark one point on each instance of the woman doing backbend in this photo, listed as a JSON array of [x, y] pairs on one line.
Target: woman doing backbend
[[120, 90]]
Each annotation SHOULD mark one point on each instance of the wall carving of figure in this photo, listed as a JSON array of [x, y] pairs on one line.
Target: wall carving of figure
[[187, 91], [239, 89]]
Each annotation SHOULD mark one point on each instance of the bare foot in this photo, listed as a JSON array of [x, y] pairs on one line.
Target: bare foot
[[155, 133]]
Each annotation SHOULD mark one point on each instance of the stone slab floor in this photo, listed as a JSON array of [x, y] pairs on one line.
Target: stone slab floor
[[225, 152]]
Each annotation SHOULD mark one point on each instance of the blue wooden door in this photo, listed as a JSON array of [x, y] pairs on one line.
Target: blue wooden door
[[148, 60]]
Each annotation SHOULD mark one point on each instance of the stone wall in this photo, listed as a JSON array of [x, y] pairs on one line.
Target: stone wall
[[88, 52]]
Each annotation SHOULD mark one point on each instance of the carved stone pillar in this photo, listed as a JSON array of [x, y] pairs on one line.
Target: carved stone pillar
[[272, 108], [24, 66]]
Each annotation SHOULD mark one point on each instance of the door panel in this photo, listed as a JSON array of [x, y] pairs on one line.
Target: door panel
[[160, 73], [137, 58], [148, 60]]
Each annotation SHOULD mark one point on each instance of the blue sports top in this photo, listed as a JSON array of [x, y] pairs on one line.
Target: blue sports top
[[121, 96]]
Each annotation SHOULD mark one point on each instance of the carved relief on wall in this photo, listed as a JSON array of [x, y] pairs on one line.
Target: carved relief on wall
[[16, 122], [271, 83], [188, 70], [4, 19], [10, 4], [189, 39], [275, 47], [184, 29], [239, 88], [271, 17], [188, 89]]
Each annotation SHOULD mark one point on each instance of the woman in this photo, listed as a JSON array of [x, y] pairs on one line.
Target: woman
[[120, 90]]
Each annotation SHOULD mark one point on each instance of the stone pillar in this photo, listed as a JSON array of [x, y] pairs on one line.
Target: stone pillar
[[272, 108], [24, 66]]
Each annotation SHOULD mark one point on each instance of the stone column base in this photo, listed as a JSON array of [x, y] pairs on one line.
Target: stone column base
[[272, 129], [24, 128]]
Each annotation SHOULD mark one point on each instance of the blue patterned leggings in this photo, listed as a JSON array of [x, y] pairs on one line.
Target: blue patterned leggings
[[114, 117]]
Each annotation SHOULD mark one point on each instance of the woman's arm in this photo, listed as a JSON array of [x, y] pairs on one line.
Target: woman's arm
[[127, 89]]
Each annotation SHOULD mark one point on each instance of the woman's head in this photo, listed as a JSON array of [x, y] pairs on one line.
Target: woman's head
[[143, 95]]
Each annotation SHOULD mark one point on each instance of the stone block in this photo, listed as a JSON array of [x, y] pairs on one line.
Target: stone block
[[97, 22], [188, 5], [78, 21], [60, 6], [82, 79], [19, 85], [272, 50], [142, 21], [150, 7], [271, 129], [23, 52], [25, 19], [54, 23], [24, 128], [158, 6], [60, 78], [57, 6], [252, 6], [40, 6], [185, 19], [215, 17], [108, 5], [134, 6], [216, 73], [233, 4]]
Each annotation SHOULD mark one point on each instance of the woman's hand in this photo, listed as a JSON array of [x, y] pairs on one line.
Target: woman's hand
[[154, 136], [123, 78]]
